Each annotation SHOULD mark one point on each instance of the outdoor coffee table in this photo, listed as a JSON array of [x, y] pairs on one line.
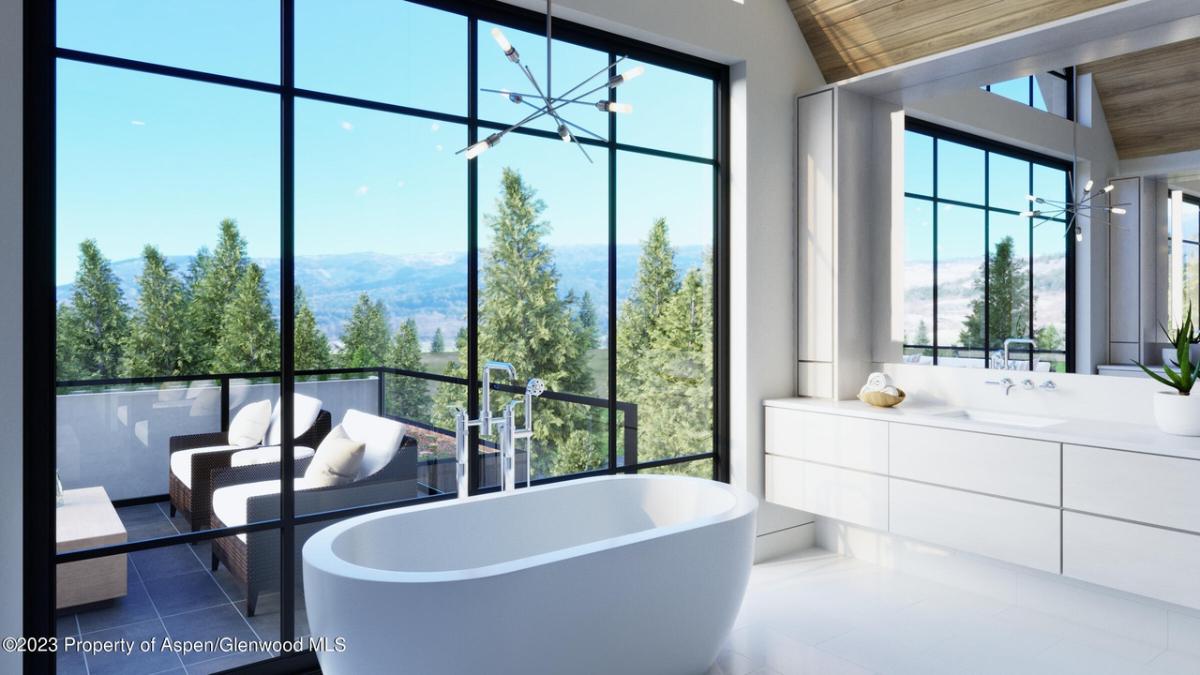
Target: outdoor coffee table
[[85, 520]]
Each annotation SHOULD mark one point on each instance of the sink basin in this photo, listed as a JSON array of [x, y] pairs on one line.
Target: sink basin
[[1007, 419]]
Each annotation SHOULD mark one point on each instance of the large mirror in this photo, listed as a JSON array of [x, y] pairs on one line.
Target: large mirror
[[1050, 218]]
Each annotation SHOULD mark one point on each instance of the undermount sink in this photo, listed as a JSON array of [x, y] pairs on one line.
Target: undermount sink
[[1007, 419]]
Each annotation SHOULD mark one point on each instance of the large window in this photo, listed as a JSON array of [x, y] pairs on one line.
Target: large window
[[976, 271], [1183, 260], [260, 215], [1052, 91]]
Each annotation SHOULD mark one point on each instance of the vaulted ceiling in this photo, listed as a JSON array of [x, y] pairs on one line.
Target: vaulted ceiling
[[852, 37], [1151, 99]]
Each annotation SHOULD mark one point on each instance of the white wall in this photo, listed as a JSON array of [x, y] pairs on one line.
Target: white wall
[[771, 64], [10, 328]]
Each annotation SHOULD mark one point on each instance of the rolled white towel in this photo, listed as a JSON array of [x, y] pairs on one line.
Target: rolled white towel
[[891, 391], [878, 382]]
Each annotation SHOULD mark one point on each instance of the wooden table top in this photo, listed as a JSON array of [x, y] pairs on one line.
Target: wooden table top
[[86, 519]]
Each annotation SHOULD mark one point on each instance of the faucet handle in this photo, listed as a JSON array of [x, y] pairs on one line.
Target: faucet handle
[[1048, 385]]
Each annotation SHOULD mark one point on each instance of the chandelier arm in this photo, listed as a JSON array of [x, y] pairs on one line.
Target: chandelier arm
[[549, 105], [607, 68], [500, 134], [572, 124]]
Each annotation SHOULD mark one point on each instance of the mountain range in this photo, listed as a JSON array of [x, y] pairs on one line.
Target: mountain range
[[432, 289]]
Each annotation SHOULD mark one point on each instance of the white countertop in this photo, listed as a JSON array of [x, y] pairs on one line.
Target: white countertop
[[1094, 433]]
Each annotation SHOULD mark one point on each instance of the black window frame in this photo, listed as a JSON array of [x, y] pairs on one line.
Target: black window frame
[[1067, 75], [41, 54], [940, 132], [1187, 198]]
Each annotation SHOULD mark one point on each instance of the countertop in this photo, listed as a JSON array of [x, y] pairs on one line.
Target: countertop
[[1094, 433]]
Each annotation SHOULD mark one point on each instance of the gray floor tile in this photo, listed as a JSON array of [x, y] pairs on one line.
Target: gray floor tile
[[170, 561], [69, 663], [65, 624], [185, 593], [132, 608], [137, 663], [208, 624]]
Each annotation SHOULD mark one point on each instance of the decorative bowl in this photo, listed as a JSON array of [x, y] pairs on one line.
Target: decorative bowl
[[881, 399]]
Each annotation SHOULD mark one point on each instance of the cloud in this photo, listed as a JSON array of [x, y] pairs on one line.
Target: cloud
[[137, 123], [347, 126], [435, 126], [361, 191], [438, 147], [400, 183]]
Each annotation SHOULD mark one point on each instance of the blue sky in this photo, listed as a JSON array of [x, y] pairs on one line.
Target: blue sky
[[150, 159]]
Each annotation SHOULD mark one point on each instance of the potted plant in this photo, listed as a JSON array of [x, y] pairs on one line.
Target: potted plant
[[1177, 411], [1168, 353]]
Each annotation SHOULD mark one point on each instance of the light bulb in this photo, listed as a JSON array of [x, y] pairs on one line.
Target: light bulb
[[626, 76], [1028, 214], [482, 146], [1109, 187], [510, 96], [564, 133], [1088, 186], [614, 107], [1078, 233], [498, 36], [1118, 210], [1031, 198]]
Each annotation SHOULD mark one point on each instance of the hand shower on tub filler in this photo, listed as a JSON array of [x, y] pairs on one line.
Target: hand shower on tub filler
[[503, 425]]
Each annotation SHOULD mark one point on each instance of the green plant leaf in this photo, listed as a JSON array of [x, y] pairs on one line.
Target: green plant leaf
[[1156, 376]]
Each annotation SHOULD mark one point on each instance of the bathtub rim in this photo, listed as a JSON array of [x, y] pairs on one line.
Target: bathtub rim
[[318, 550]]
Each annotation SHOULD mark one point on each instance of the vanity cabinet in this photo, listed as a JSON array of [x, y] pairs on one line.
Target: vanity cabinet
[[843, 494], [1012, 531], [1019, 468], [849, 442], [1147, 488]]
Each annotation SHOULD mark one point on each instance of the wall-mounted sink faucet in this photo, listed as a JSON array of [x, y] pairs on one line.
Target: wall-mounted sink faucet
[[505, 424], [1006, 382], [1009, 342]]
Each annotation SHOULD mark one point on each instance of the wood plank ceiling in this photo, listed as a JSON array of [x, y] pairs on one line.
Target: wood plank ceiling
[[1151, 99], [852, 37]]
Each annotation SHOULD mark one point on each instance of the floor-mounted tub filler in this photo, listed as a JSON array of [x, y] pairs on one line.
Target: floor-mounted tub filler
[[615, 574]]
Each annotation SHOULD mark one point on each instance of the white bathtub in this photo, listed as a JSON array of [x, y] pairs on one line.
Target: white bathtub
[[637, 575]]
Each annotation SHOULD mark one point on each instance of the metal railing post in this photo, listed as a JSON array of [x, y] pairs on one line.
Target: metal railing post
[[630, 434], [224, 383], [382, 394]]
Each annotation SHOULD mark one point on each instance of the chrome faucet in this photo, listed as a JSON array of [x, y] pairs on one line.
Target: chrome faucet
[[1009, 342], [1006, 382], [488, 424]]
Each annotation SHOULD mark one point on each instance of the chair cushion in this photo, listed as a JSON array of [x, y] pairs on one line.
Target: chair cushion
[[265, 455], [249, 426], [229, 503], [181, 462], [304, 412], [337, 461], [380, 435]]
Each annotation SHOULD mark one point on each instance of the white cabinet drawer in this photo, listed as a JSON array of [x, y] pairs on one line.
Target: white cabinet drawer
[[851, 442], [1001, 465], [1146, 488], [1150, 561], [1016, 532], [843, 494]]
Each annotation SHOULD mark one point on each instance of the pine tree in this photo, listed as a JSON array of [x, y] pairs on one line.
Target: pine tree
[[523, 320], [438, 344], [154, 345], [93, 327], [312, 347], [214, 279], [67, 363], [657, 282], [407, 396], [249, 339], [588, 324], [365, 341], [1008, 300]]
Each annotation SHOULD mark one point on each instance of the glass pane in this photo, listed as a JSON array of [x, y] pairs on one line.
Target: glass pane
[[572, 65], [918, 163], [960, 172], [664, 311], [381, 275], [1050, 93], [918, 272], [1008, 183], [167, 263], [1016, 89], [543, 290], [226, 37], [672, 111], [381, 50], [960, 276], [1050, 243], [1049, 183], [1008, 279], [699, 468], [1191, 279], [173, 596], [956, 357]]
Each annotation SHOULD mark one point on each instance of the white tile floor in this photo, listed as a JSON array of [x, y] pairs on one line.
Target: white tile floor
[[820, 613]]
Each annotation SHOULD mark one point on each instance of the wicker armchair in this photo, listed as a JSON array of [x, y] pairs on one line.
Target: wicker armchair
[[253, 558], [195, 500]]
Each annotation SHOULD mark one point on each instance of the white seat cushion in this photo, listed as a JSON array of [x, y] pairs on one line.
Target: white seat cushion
[[249, 426], [264, 455], [229, 503], [181, 462], [304, 412], [380, 435]]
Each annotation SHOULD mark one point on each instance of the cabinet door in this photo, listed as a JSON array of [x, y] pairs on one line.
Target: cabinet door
[[850, 442], [1016, 532], [1019, 468], [1147, 488], [842, 494], [1149, 561]]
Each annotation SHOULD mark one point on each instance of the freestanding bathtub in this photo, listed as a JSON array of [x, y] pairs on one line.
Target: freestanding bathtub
[[631, 575]]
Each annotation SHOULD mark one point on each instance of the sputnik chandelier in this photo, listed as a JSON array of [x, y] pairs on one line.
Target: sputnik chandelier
[[547, 103], [1052, 209]]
